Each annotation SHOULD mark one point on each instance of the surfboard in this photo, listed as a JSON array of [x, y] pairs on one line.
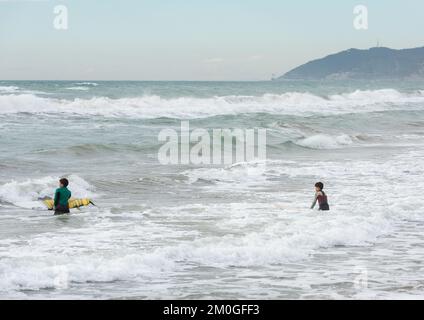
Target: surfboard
[[73, 203]]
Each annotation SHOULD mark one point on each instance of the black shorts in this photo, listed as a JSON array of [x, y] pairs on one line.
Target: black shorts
[[324, 207], [61, 209]]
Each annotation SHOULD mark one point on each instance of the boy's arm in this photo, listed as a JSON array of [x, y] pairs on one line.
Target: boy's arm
[[56, 198], [315, 201]]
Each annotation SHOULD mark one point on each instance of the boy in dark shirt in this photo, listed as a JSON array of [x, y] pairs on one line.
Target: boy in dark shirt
[[321, 197]]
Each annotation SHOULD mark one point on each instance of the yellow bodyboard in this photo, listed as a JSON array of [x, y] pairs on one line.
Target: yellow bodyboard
[[73, 203]]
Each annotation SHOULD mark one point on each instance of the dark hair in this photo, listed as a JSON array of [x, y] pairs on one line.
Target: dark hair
[[319, 185], [64, 181]]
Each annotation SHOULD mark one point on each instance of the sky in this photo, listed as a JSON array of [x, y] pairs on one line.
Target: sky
[[208, 40]]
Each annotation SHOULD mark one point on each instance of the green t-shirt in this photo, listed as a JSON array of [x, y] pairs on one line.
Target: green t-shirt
[[62, 196]]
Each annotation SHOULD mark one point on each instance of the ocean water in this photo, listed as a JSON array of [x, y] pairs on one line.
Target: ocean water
[[241, 231]]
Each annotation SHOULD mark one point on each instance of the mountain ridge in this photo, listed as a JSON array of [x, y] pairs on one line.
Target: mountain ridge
[[373, 63]]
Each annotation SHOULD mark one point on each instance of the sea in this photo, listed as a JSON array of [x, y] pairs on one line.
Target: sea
[[240, 230]]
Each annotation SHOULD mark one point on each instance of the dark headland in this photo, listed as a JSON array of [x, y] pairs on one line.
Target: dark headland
[[375, 63]]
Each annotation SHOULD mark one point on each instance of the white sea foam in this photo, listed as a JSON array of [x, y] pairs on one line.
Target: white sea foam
[[322, 141], [78, 88], [38, 272], [26, 193], [8, 89], [383, 95], [16, 90], [35, 265], [256, 229], [291, 103], [92, 84], [240, 234]]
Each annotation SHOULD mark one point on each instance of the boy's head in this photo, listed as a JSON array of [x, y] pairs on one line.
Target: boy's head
[[319, 186], [63, 182]]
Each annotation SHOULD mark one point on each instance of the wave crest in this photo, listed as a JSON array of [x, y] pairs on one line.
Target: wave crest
[[322, 141], [151, 106]]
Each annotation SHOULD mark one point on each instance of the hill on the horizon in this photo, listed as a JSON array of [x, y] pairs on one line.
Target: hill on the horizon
[[374, 63]]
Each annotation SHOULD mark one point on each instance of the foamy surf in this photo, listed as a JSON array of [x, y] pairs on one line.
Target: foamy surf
[[285, 241], [8, 89], [78, 88], [244, 230], [323, 141], [90, 84], [152, 106]]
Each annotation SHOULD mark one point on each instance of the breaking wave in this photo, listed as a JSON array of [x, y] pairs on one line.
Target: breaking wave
[[152, 106], [322, 141]]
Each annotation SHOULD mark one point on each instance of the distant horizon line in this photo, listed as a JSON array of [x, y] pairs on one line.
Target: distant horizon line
[[116, 80], [204, 81]]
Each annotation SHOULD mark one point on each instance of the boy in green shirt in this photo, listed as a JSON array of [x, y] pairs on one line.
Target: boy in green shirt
[[61, 197]]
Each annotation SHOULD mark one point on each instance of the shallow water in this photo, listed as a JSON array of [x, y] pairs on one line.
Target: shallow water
[[236, 231]]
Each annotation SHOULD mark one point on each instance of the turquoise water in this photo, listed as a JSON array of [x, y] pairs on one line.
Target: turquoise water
[[223, 231]]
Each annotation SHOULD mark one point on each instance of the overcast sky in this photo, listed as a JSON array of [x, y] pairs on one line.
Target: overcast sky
[[191, 39]]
